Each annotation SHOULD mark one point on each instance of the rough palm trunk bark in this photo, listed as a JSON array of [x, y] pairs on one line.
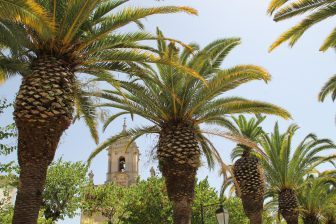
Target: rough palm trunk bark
[[288, 206], [331, 221], [310, 219], [250, 184], [254, 214], [179, 159], [43, 111]]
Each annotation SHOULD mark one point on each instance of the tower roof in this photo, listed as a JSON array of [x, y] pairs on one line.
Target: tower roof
[[123, 142], [124, 126]]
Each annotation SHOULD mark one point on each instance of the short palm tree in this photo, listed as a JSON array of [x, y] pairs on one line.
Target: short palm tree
[[247, 170], [317, 10], [316, 196], [177, 104], [86, 39], [285, 167]]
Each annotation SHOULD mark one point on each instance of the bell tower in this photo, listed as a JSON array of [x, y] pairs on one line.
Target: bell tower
[[123, 164]]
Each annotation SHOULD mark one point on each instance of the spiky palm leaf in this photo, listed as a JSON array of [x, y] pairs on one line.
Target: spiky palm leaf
[[285, 166], [328, 89], [27, 12], [178, 104], [317, 10]]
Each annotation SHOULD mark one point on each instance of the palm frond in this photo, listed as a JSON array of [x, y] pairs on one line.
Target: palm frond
[[85, 108], [133, 133], [328, 88], [27, 12], [293, 34]]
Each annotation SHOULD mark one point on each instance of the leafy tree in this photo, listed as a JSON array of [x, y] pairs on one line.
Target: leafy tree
[[149, 203], [205, 196], [177, 104], [61, 195], [286, 166], [7, 138], [82, 38], [146, 202], [7, 132], [236, 211], [6, 207], [107, 200]]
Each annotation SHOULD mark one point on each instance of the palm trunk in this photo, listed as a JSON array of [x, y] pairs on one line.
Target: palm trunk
[[253, 214], [250, 184], [180, 183], [256, 217], [331, 221], [43, 110], [179, 157], [182, 211], [36, 151], [288, 206], [310, 219]]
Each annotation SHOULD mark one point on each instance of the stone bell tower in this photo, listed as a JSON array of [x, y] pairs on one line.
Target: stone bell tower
[[123, 164]]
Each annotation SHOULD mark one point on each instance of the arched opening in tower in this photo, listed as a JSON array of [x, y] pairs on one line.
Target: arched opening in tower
[[122, 164]]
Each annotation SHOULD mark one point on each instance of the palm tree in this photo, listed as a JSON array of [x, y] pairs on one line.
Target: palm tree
[[247, 170], [86, 39], [177, 104], [316, 196], [285, 166], [317, 10]]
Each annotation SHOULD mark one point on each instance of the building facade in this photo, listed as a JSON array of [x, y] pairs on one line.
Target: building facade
[[123, 162], [122, 169]]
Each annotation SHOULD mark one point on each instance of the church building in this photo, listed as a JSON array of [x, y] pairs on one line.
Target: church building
[[123, 165], [122, 169]]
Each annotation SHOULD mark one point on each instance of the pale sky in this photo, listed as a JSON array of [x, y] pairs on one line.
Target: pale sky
[[297, 75]]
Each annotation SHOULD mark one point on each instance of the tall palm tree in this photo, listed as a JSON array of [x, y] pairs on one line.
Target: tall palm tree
[[177, 104], [247, 170], [86, 39], [286, 166], [316, 196], [317, 10]]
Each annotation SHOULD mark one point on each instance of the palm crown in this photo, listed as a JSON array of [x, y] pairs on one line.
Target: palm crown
[[86, 35], [249, 128], [317, 196], [285, 166], [166, 95]]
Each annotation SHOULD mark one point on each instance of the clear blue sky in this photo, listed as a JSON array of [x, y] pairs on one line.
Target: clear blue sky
[[297, 75]]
